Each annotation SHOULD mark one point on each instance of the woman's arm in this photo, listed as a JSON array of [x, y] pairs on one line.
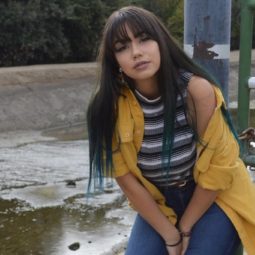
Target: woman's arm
[[202, 103], [201, 200], [149, 210]]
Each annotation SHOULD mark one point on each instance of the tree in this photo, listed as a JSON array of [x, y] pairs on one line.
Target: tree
[[55, 31], [31, 32], [83, 28]]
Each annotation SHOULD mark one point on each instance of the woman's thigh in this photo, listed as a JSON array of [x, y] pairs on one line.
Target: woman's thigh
[[213, 234], [144, 240]]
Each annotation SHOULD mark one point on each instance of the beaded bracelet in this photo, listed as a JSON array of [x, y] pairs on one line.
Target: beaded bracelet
[[185, 234], [175, 244]]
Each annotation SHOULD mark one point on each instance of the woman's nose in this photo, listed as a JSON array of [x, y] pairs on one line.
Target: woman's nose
[[136, 50]]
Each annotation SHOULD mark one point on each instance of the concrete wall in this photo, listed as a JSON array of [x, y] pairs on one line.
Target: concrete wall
[[43, 97], [50, 96]]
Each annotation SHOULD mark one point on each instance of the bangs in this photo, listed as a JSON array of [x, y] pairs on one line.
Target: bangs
[[138, 24]]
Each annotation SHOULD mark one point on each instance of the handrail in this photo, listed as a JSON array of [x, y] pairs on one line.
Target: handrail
[[246, 82]]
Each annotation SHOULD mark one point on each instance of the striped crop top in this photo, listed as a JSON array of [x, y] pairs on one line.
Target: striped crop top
[[184, 146]]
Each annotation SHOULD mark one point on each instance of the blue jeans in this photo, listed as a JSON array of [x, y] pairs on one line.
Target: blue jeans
[[213, 234]]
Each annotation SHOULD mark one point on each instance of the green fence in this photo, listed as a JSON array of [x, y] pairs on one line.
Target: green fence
[[246, 82]]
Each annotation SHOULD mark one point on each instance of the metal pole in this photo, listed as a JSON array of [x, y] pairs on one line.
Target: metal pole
[[207, 36], [244, 66], [207, 39]]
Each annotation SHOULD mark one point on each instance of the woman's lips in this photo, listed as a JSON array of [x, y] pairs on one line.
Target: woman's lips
[[141, 65]]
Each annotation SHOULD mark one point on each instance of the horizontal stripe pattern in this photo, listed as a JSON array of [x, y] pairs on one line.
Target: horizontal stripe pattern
[[184, 147]]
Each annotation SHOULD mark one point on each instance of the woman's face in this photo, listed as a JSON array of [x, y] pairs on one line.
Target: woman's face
[[138, 57]]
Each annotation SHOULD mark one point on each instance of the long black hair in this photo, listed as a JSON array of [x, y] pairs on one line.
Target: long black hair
[[102, 111]]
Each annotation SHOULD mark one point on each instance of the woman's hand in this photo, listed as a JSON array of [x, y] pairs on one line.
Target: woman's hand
[[174, 243], [147, 207], [185, 244], [176, 250]]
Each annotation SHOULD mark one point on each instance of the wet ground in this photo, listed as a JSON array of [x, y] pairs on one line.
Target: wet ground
[[43, 207]]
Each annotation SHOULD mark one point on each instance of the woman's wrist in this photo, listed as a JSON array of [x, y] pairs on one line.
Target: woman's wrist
[[174, 238], [176, 243], [184, 231]]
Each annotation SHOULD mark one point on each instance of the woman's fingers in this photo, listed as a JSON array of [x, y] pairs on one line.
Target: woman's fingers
[[185, 244]]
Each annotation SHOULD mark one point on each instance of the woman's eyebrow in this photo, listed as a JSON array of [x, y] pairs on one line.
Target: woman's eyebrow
[[122, 41]]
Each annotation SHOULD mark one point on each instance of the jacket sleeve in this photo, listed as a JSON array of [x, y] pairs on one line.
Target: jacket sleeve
[[218, 162]]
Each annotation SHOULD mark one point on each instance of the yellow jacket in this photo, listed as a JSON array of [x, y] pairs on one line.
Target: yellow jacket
[[218, 166]]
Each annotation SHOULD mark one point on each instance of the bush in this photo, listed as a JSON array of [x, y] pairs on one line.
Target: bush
[[82, 28], [31, 33]]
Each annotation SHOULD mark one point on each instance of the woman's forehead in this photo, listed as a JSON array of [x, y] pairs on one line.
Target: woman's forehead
[[122, 29], [127, 32]]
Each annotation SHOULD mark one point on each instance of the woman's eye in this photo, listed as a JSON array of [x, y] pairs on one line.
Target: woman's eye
[[120, 47]]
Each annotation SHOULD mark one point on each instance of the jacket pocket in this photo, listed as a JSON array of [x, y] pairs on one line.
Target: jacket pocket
[[126, 131]]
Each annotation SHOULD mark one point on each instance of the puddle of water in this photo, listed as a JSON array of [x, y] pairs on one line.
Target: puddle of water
[[39, 213], [96, 224], [51, 230], [28, 232]]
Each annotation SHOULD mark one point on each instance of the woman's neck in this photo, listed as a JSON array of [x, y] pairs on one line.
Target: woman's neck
[[148, 88]]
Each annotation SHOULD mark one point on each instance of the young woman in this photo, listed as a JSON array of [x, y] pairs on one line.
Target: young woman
[[159, 125]]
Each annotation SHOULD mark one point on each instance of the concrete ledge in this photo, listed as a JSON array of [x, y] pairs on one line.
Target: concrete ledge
[[43, 97], [45, 73], [50, 73]]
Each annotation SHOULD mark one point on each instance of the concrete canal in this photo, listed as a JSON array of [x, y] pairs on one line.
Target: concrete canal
[[44, 168]]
